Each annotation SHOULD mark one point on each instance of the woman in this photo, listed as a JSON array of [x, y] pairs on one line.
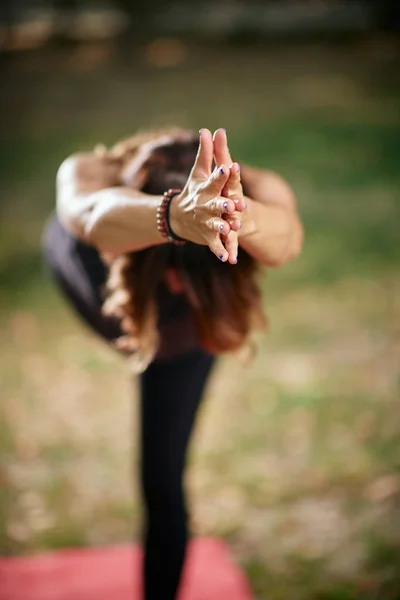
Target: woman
[[172, 306]]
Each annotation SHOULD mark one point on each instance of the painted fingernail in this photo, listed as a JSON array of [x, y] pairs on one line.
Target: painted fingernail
[[225, 206], [222, 170], [237, 167], [221, 256], [221, 228]]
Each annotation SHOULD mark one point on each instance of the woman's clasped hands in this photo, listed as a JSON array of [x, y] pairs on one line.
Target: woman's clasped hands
[[209, 210]]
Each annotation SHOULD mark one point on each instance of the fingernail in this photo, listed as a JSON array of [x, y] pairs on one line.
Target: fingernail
[[236, 260], [221, 227], [222, 170], [245, 205], [237, 167], [225, 206], [200, 130], [240, 224], [221, 256]]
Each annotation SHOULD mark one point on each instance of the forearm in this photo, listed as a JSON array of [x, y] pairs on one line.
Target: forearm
[[96, 209], [271, 233], [123, 220], [114, 220]]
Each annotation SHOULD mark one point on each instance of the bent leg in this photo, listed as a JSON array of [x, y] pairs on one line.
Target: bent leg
[[81, 275]]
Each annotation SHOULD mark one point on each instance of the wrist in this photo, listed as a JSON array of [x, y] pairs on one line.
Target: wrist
[[164, 218], [175, 215]]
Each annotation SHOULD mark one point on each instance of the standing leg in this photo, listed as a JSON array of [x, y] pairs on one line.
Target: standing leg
[[170, 395]]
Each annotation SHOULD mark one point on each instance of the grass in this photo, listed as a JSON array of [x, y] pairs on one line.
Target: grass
[[303, 479]]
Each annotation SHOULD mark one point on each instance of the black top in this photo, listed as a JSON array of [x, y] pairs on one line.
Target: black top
[[81, 274]]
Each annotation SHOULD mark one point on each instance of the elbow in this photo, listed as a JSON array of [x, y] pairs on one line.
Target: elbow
[[97, 228], [71, 208], [292, 245], [70, 221], [92, 231], [276, 262], [95, 234], [296, 242]]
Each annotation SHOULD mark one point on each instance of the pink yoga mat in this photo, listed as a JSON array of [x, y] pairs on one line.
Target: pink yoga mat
[[113, 573]]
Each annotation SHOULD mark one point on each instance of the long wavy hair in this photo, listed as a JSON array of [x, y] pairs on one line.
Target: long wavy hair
[[225, 300]]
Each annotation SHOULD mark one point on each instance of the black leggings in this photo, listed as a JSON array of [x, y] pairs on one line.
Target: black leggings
[[171, 391], [171, 394]]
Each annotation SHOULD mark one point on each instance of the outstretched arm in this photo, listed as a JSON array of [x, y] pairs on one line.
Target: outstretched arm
[[98, 211], [117, 219], [272, 231]]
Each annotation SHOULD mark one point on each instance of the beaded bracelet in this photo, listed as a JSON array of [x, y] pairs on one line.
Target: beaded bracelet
[[163, 224]]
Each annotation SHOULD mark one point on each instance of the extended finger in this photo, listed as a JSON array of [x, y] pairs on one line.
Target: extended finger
[[232, 244], [203, 163], [221, 150], [216, 182], [217, 247], [234, 184], [218, 225], [240, 203], [220, 205], [234, 223]]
